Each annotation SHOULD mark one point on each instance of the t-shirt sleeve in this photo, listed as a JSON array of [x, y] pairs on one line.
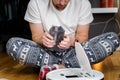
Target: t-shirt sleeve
[[32, 13], [85, 16]]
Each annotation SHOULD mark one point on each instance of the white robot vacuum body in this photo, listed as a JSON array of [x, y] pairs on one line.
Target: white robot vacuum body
[[83, 73], [74, 74]]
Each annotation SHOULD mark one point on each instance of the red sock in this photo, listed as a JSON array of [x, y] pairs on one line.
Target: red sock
[[45, 69]]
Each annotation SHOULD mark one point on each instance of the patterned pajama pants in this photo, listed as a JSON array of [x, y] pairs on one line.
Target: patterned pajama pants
[[29, 53]]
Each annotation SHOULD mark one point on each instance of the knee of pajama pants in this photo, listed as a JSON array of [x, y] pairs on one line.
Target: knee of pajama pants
[[22, 50], [99, 47], [12, 47]]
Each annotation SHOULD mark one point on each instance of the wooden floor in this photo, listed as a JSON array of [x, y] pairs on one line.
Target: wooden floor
[[11, 70], [110, 67]]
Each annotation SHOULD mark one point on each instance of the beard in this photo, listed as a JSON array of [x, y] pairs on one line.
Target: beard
[[60, 7]]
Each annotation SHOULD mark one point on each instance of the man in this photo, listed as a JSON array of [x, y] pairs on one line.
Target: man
[[74, 16]]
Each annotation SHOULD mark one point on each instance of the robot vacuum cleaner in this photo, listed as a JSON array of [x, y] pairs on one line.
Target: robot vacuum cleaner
[[74, 74], [83, 73]]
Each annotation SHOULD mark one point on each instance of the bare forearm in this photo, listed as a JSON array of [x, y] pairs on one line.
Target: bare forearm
[[37, 32], [37, 39], [82, 33], [81, 38]]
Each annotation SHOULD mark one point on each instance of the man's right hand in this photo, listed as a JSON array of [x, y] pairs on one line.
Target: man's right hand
[[47, 40]]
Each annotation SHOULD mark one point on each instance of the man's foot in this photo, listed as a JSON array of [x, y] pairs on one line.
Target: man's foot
[[45, 69]]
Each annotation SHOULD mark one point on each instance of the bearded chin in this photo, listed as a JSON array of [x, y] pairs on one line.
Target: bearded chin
[[59, 7]]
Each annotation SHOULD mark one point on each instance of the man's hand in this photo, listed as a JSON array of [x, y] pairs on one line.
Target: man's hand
[[66, 42], [48, 40]]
